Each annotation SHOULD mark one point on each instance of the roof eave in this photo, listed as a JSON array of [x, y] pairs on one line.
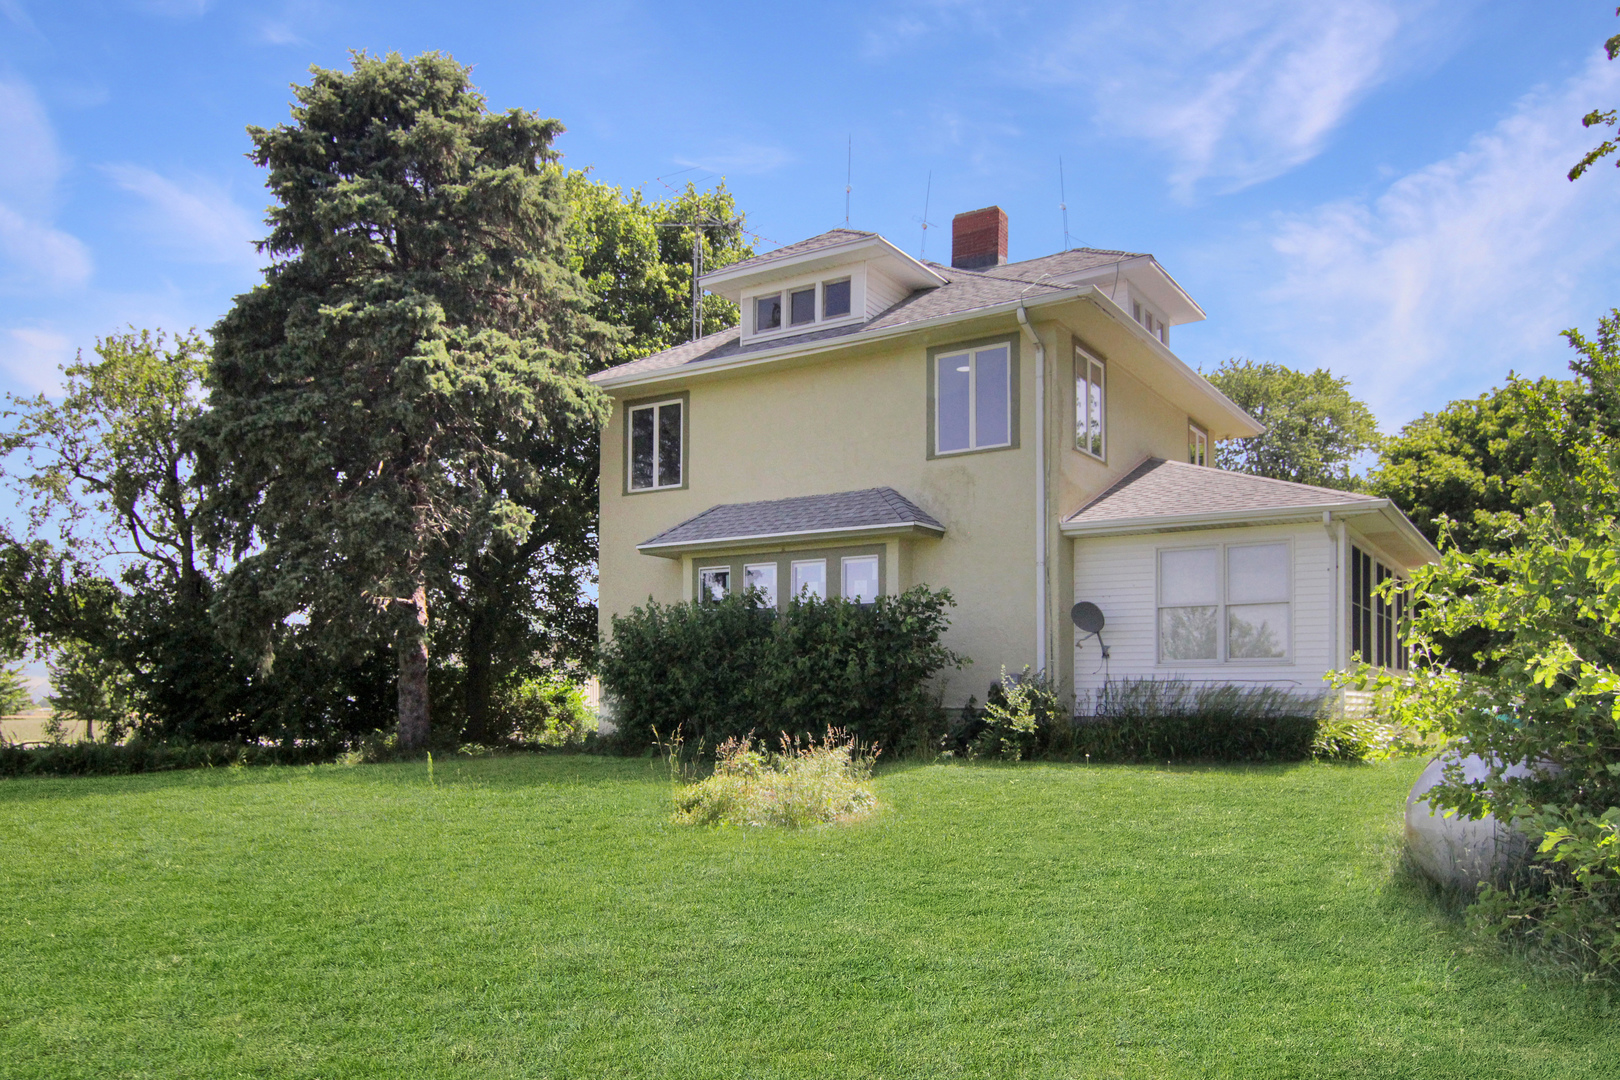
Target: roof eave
[[715, 282], [679, 548]]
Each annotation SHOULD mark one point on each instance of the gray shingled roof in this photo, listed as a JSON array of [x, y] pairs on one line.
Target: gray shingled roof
[[871, 509], [1171, 489], [964, 292], [1061, 264], [830, 238]]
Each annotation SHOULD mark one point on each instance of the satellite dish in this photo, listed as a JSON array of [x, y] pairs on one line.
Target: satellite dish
[[1088, 617]]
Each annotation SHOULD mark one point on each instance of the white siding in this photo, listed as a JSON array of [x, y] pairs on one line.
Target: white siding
[[882, 292], [1119, 575]]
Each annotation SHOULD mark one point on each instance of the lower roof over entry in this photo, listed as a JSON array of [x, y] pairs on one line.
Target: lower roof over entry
[[841, 516]]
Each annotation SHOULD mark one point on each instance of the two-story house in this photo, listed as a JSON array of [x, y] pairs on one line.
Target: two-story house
[[1020, 433]]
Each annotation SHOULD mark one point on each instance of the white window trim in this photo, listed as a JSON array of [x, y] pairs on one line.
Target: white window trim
[[843, 574], [630, 445], [856, 277], [1081, 356], [972, 353], [793, 573], [1203, 440], [1221, 659]]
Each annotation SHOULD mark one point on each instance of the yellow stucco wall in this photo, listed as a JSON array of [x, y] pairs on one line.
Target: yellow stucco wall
[[859, 419]]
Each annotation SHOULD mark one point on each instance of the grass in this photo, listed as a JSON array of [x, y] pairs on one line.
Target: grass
[[543, 917]]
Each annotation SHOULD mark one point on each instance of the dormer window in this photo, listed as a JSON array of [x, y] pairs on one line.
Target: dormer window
[[803, 304], [768, 313], [835, 299], [1154, 324]]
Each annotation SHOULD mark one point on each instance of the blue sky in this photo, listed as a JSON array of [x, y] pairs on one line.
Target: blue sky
[[1368, 185]]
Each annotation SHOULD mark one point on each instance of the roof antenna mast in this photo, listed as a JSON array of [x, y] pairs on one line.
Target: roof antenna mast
[[928, 194], [849, 173], [1063, 204]]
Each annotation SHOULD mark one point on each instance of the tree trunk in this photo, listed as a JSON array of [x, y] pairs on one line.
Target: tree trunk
[[479, 685], [411, 645]]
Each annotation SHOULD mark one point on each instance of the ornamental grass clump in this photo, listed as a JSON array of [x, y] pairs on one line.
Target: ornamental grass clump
[[803, 782]]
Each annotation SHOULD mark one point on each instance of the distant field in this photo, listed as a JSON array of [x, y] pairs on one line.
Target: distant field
[[29, 727], [541, 917]]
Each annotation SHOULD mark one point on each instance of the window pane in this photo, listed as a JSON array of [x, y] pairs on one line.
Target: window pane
[[990, 390], [641, 448], [1257, 575], [1189, 577], [802, 306], [762, 577], [810, 578], [861, 579], [953, 388], [1187, 633], [1094, 409], [1257, 631], [714, 583], [834, 299], [768, 312], [1082, 422], [669, 444]]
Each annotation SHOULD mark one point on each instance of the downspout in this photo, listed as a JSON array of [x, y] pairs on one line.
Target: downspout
[[1040, 488]]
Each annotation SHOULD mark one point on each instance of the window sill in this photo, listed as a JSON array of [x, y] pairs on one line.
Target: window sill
[[801, 328]]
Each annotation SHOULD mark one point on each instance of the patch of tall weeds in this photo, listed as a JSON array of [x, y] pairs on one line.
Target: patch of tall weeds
[[804, 781]]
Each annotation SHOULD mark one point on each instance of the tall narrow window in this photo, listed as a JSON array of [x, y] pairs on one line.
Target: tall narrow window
[[973, 400], [655, 446], [1090, 404], [1197, 444], [861, 579], [1376, 624]]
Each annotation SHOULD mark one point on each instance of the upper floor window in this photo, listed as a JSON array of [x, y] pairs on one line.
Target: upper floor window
[[802, 305], [1197, 444], [655, 445], [973, 399], [1154, 324], [1240, 611], [1090, 404]]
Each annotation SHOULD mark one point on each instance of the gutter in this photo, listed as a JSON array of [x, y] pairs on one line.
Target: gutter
[[1040, 488], [674, 549]]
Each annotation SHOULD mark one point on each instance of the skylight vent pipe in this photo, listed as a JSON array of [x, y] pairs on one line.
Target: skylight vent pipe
[[1040, 488]]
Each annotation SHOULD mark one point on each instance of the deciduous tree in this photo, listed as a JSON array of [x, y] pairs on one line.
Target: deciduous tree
[[1315, 428]]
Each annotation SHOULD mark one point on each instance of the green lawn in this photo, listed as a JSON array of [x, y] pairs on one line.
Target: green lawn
[[541, 917]]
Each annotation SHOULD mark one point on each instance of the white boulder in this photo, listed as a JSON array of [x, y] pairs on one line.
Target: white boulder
[[1458, 851]]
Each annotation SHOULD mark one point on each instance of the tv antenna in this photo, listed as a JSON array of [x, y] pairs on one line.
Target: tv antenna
[[1063, 203], [697, 226], [926, 224]]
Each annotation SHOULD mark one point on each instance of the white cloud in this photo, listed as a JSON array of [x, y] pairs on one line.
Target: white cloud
[[32, 357], [33, 254], [199, 220], [1232, 94], [1463, 269]]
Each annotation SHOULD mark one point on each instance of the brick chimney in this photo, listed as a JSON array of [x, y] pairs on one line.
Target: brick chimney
[[979, 239]]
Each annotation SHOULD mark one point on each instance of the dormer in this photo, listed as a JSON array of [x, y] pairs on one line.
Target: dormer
[[835, 279]]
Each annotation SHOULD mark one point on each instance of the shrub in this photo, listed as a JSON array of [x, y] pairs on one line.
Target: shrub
[[715, 671], [1021, 712], [806, 782], [1170, 719], [547, 711], [145, 755]]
